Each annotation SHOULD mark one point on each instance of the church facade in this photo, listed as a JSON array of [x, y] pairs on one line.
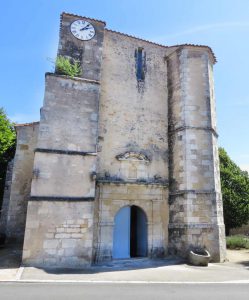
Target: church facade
[[124, 161]]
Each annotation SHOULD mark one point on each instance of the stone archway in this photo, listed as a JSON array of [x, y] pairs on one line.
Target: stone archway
[[130, 234]]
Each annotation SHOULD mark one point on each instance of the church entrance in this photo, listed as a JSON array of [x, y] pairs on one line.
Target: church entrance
[[130, 233]]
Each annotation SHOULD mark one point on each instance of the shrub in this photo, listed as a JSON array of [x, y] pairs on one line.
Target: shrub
[[67, 66], [237, 242], [235, 192], [7, 147]]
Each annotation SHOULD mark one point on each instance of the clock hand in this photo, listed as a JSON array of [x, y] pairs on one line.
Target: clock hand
[[85, 28]]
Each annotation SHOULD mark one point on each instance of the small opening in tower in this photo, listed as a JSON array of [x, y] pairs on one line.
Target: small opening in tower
[[140, 64]]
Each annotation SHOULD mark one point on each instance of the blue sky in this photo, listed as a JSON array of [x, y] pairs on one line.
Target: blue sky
[[29, 38]]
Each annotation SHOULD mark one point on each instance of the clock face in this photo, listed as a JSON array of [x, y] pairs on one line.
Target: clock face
[[82, 30]]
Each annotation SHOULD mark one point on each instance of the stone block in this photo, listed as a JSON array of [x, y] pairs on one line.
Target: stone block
[[50, 244], [60, 252], [72, 230], [49, 235], [69, 243], [26, 254], [77, 235], [32, 224], [69, 252], [50, 261], [62, 235], [51, 251]]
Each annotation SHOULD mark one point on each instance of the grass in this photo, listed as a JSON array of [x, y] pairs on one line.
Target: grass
[[66, 66], [237, 242]]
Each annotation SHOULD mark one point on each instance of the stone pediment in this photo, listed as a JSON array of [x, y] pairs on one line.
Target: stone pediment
[[133, 156]]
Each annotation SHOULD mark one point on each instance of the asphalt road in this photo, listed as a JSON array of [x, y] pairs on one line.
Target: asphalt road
[[110, 291]]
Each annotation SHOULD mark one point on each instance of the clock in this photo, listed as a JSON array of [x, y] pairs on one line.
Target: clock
[[82, 30]]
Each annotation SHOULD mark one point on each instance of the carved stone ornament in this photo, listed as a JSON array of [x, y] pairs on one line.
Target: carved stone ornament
[[133, 156]]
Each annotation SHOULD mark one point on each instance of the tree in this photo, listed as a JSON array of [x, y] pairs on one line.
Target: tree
[[235, 192], [7, 147]]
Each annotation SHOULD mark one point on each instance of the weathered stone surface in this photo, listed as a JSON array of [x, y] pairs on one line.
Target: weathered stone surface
[[156, 212], [66, 114], [88, 53], [114, 138], [132, 120], [195, 195], [6, 198], [19, 192], [62, 175], [46, 240]]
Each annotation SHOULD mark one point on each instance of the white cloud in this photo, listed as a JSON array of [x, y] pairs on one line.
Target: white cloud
[[206, 27]]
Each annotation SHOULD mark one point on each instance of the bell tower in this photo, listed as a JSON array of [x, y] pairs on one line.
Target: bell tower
[[196, 212], [59, 228], [77, 43]]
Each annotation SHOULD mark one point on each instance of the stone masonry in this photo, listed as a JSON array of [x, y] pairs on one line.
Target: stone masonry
[[6, 197], [136, 129], [196, 215], [18, 187]]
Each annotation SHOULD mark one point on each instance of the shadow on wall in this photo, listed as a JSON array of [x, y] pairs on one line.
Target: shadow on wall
[[10, 257]]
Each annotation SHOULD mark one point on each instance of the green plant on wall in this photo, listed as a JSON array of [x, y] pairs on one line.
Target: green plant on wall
[[7, 147], [67, 66], [235, 192]]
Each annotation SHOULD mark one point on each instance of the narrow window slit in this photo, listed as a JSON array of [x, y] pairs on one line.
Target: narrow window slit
[[140, 64]]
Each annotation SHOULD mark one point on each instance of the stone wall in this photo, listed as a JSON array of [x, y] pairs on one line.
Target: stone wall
[[21, 181], [152, 198], [58, 233], [133, 141], [140, 120], [196, 216], [63, 175], [89, 53], [69, 116], [6, 197], [60, 213], [133, 114]]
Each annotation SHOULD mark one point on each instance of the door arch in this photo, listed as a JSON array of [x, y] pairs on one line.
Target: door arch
[[130, 237]]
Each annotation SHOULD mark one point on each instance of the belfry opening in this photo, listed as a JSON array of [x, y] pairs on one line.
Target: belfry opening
[[130, 238]]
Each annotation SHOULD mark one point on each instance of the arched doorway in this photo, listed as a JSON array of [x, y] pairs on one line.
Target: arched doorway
[[130, 233]]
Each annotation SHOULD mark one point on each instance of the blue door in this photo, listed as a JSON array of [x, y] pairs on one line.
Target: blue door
[[130, 233], [121, 235]]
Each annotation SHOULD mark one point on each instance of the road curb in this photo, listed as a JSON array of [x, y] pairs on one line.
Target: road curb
[[124, 282]]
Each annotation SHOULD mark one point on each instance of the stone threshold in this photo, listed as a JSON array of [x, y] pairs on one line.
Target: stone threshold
[[138, 263]]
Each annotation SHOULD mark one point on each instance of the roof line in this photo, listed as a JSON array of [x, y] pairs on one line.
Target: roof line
[[144, 40], [27, 124], [198, 46], [164, 46], [77, 16], [137, 38]]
